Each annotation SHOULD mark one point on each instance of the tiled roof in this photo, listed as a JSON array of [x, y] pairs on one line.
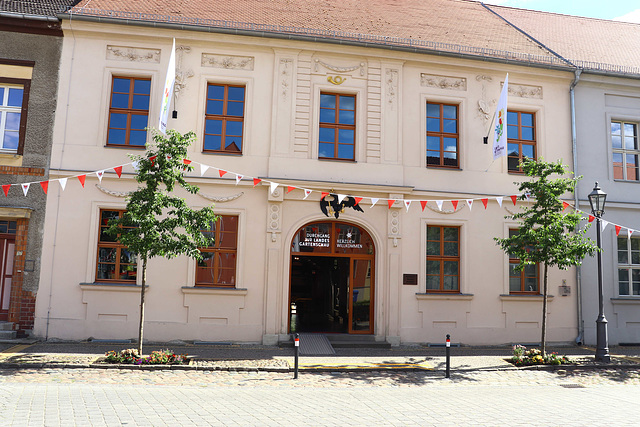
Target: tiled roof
[[36, 7], [579, 39], [453, 26], [446, 25]]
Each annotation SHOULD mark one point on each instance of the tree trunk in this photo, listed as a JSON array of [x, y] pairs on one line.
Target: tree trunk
[[141, 326], [543, 343]]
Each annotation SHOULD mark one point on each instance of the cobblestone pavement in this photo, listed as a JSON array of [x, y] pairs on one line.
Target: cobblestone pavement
[[108, 397]]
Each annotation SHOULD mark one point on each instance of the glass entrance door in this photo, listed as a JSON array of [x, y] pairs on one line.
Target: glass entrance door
[[360, 302], [7, 249]]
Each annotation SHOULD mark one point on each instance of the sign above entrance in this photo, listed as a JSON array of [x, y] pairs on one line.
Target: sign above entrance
[[336, 238], [336, 206]]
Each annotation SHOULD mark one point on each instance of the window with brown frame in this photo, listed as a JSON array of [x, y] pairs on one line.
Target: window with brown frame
[[128, 112], [218, 266], [443, 259], [115, 262], [224, 119], [337, 139], [521, 139], [14, 100], [442, 135], [525, 280]]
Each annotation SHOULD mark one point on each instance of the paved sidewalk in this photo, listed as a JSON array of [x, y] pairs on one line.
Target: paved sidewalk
[[238, 357]]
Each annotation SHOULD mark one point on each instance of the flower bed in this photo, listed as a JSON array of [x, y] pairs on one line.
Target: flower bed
[[130, 356], [523, 357]]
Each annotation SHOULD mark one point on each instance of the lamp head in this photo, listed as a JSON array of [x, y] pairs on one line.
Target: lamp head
[[597, 200]]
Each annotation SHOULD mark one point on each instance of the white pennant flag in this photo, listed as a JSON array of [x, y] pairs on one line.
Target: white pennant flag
[[306, 193], [341, 197], [629, 233], [439, 203], [527, 196], [499, 200], [25, 188], [470, 203], [500, 123], [374, 200], [63, 183], [168, 90], [604, 224], [135, 165], [273, 185], [203, 169], [238, 179], [407, 203], [100, 174]]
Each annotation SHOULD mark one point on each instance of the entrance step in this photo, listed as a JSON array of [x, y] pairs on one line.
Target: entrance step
[[356, 341], [6, 331]]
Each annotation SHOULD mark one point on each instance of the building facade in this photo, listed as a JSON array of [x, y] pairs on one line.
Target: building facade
[[29, 63], [356, 192]]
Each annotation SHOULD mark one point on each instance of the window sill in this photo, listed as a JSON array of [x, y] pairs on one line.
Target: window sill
[[221, 153], [203, 290], [439, 296], [631, 181], [8, 158], [624, 300], [524, 297], [446, 168], [135, 147], [116, 287], [331, 159]]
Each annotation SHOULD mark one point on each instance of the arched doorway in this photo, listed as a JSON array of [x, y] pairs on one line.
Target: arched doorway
[[332, 279]]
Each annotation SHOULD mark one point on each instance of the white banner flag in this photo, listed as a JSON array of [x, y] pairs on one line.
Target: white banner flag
[[470, 203], [499, 200], [500, 133], [168, 90]]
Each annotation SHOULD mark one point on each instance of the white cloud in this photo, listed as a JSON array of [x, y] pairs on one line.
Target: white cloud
[[633, 16]]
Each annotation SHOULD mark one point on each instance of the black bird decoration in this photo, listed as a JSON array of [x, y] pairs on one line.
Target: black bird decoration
[[338, 207]]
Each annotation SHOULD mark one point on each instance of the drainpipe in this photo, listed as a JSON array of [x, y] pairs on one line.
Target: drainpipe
[[574, 148]]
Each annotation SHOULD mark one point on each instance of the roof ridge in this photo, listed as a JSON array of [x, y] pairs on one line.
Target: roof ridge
[[522, 9]]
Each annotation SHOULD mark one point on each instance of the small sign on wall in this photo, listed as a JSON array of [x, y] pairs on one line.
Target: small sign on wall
[[564, 290], [409, 279]]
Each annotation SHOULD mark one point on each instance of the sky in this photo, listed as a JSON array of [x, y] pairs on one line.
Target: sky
[[618, 10]]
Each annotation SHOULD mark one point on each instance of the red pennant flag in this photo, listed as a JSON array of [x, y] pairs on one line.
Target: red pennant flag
[[591, 218], [153, 159], [81, 178], [565, 205], [323, 195], [256, 181], [44, 185], [186, 162], [423, 203], [290, 189], [618, 228], [390, 202], [118, 170], [513, 199], [358, 199], [485, 202], [221, 172], [5, 188], [455, 204]]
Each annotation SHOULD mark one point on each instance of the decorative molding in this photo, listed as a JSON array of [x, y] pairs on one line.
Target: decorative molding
[[394, 225], [182, 75], [481, 77], [133, 54], [113, 193], [525, 91], [285, 73], [219, 199], [274, 219], [392, 86], [461, 204], [485, 106], [337, 69], [228, 61], [443, 82]]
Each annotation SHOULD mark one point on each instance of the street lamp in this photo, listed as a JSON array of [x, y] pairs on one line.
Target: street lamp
[[597, 199]]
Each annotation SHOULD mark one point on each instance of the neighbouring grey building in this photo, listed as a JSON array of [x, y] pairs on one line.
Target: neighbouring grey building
[[30, 46]]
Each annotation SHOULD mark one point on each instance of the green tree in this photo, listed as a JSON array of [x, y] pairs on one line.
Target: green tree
[[547, 235], [158, 223]]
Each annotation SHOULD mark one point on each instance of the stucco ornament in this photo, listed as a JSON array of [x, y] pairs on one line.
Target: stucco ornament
[[112, 192], [336, 80], [337, 69], [461, 204], [227, 61], [485, 106], [443, 82], [181, 74], [525, 91], [220, 199], [285, 75], [392, 86], [133, 54]]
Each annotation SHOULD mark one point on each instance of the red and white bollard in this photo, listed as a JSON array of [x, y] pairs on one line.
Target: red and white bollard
[[448, 357], [296, 346]]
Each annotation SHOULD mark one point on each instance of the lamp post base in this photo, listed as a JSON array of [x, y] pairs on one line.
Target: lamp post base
[[602, 349]]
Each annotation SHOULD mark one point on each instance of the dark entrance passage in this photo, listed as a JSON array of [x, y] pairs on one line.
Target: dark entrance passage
[[331, 288]]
